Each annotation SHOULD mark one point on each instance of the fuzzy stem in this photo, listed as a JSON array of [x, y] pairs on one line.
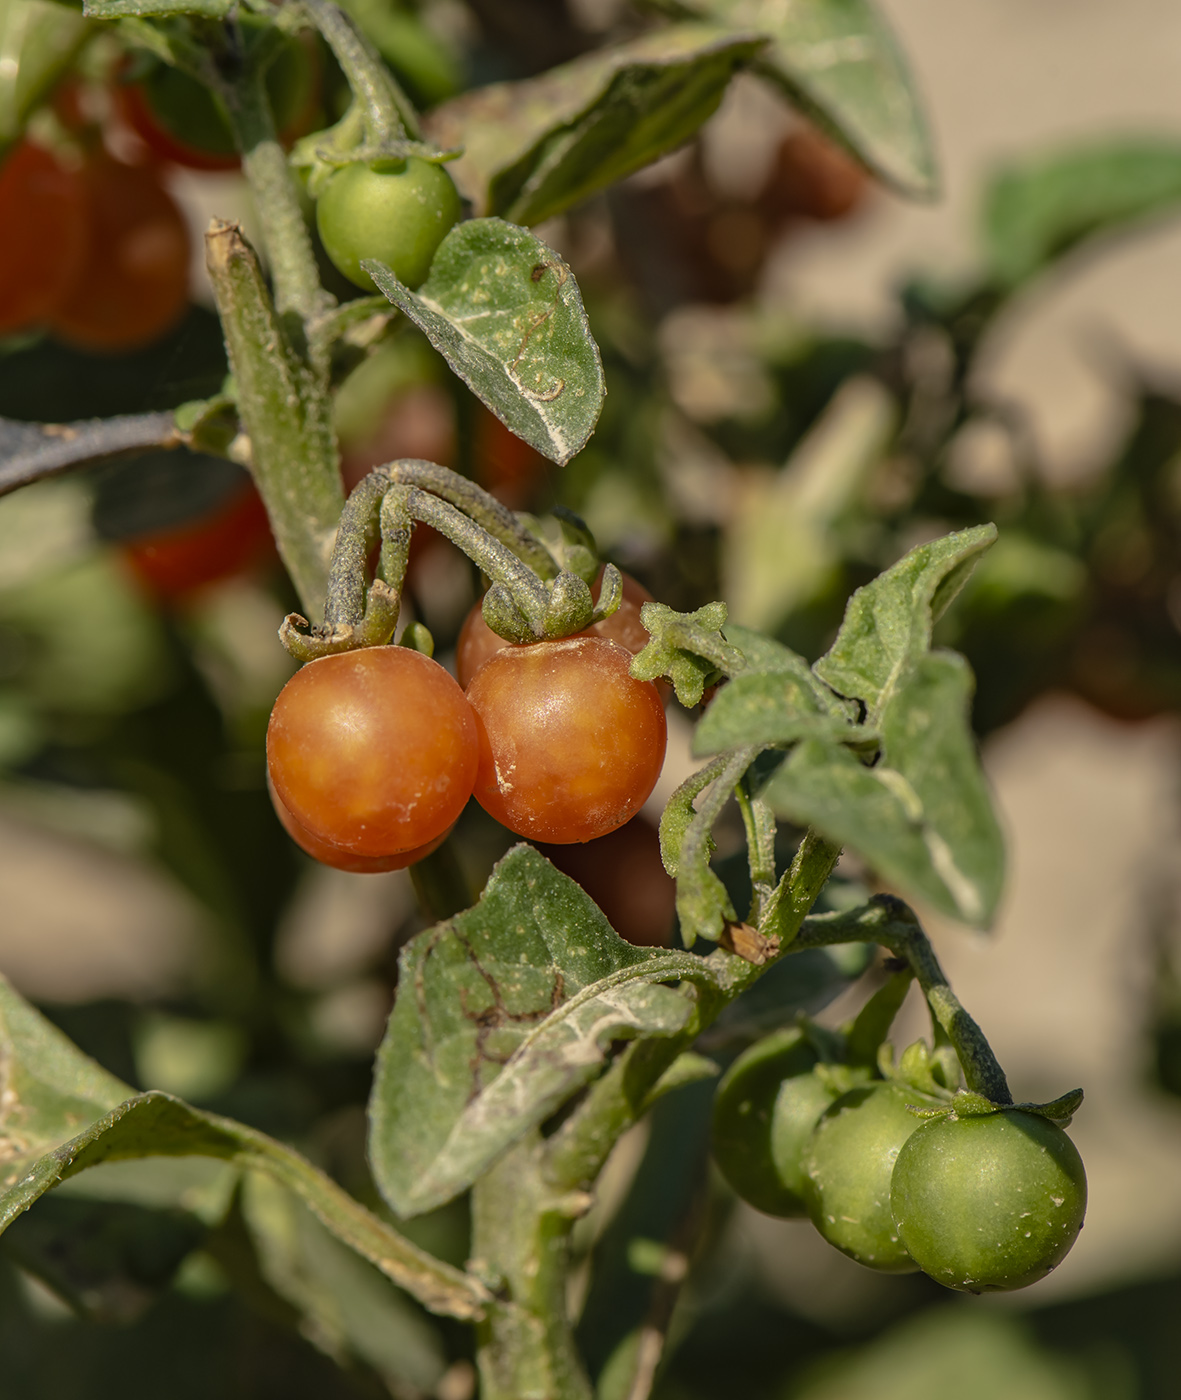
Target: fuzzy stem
[[292, 446], [520, 1243], [388, 112], [890, 923], [475, 502], [285, 234]]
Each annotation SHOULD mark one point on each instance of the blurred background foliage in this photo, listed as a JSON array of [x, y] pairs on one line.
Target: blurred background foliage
[[747, 451]]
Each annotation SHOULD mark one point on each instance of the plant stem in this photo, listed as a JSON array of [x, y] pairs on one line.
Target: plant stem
[[890, 923], [387, 110], [476, 503], [286, 413], [520, 1240], [285, 235], [619, 1097]]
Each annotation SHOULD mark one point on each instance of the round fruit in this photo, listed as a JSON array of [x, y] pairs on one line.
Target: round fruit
[[43, 217], [395, 211], [991, 1202], [765, 1110], [477, 641], [226, 541], [570, 745], [373, 751], [337, 856], [848, 1163], [625, 876], [133, 282]]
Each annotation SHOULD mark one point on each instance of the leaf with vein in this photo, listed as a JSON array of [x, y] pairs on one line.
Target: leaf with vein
[[61, 1113], [839, 63], [535, 148], [505, 312], [922, 817], [887, 624], [502, 1014]]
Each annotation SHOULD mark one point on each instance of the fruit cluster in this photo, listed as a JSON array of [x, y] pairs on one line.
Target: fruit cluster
[[373, 754], [982, 1197], [96, 250]]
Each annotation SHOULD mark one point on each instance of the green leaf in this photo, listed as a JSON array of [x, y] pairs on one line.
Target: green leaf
[[51, 1090], [502, 1013], [349, 1309], [38, 42], [887, 624], [921, 817], [157, 9], [688, 648], [838, 62], [505, 312], [1039, 209], [776, 707], [760, 652], [537, 147]]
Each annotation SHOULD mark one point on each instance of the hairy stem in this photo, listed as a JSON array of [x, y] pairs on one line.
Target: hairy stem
[[890, 923], [520, 1243], [292, 450], [285, 234], [386, 109]]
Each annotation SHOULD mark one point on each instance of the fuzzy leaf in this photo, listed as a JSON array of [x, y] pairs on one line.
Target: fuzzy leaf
[[61, 1113], [887, 624], [502, 1013], [535, 148], [688, 648], [505, 312], [778, 707], [1037, 210], [921, 817], [838, 62]]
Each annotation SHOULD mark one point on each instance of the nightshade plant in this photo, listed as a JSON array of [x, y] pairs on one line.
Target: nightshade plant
[[527, 1037]]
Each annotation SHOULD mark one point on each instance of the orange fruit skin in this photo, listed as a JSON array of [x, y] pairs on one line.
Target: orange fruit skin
[[570, 745], [373, 751]]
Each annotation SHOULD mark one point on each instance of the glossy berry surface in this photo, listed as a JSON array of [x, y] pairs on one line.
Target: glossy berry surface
[[570, 745], [989, 1203], [340, 858], [374, 751], [849, 1162], [398, 215], [765, 1109]]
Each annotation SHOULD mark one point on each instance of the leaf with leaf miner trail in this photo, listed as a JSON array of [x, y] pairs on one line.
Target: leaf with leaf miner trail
[[502, 1014], [505, 312]]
